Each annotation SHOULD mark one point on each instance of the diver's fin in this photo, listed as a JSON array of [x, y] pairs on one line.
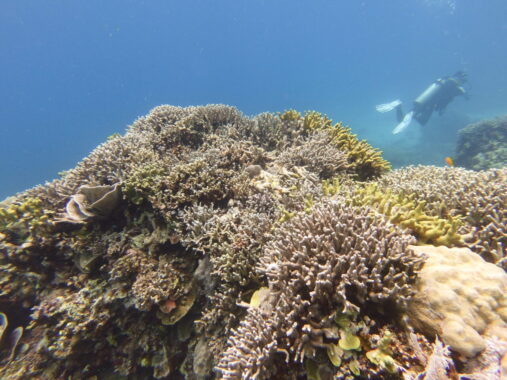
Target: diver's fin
[[404, 123], [386, 107]]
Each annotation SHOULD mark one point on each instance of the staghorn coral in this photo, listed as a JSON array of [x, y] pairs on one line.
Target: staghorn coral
[[318, 154], [132, 263], [165, 131], [338, 232], [336, 259], [231, 241]]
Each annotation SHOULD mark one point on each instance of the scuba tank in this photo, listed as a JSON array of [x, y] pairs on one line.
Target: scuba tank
[[429, 94]]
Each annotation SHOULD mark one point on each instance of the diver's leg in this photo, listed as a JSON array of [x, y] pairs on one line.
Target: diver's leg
[[386, 107], [423, 117], [402, 125], [399, 113]]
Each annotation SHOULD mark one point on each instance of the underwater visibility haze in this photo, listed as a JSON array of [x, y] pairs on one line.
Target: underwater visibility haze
[[253, 190], [73, 73]]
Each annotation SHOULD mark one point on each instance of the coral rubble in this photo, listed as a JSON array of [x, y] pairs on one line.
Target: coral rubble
[[205, 244]]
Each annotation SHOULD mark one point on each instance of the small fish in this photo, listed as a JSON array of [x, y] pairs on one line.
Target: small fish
[[449, 161]]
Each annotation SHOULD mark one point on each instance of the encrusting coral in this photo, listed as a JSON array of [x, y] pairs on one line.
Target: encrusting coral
[[206, 244]]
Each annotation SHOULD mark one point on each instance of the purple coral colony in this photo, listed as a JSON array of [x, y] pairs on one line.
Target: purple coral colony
[[204, 244]]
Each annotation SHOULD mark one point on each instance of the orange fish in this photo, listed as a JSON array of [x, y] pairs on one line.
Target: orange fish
[[449, 161]]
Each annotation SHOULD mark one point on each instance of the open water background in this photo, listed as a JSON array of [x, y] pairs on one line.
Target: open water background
[[74, 72]]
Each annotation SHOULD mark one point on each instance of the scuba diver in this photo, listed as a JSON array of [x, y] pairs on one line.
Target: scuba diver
[[435, 98]]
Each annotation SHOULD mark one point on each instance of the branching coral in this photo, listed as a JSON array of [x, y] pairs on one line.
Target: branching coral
[[318, 154], [479, 199], [336, 259], [364, 160], [225, 251]]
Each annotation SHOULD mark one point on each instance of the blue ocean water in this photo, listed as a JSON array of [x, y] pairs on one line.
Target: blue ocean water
[[74, 72]]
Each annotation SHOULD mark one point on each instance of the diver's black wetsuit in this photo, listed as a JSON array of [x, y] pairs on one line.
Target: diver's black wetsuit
[[436, 97]]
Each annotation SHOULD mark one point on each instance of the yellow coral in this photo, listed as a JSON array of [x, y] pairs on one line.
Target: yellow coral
[[289, 115], [364, 159], [407, 212], [316, 121], [143, 183], [23, 220]]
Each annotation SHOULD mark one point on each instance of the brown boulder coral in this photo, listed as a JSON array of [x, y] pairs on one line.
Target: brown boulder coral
[[461, 298]]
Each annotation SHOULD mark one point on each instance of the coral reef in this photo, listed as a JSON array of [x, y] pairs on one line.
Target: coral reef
[[364, 160], [205, 244], [478, 199], [483, 145], [333, 261], [404, 210]]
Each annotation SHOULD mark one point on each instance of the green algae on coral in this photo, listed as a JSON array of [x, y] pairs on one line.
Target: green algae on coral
[[349, 341], [382, 355]]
